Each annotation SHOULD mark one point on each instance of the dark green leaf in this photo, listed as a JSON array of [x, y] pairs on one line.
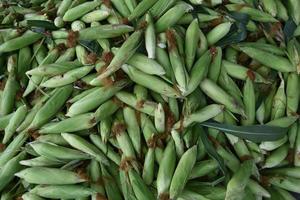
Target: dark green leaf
[[24, 4], [212, 151], [49, 40], [44, 32], [239, 17], [39, 30], [141, 48], [3, 26], [41, 24], [2, 61], [198, 9], [206, 189], [237, 33], [213, 183], [91, 46], [289, 29], [255, 133]]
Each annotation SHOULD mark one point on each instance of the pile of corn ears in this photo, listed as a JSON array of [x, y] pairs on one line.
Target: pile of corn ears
[[149, 99]]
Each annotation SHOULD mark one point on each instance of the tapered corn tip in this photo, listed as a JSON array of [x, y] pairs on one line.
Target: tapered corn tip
[[105, 74], [25, 93], [243, 114], [65, 135], [125, 68], [130, 18], [196, 2], [153, 57], [222, 108], [5, 140], [45, 84], [161, 73], [69, 114], [183, 90], [95, 82], [19, 174], [30, 72]]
